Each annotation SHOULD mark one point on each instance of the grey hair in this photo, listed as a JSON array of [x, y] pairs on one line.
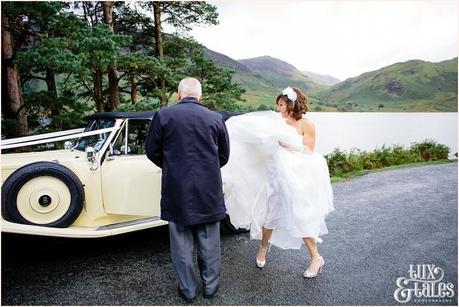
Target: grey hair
[[190, 87]]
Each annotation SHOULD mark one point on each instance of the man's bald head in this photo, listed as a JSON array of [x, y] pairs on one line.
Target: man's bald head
[[190, 87]]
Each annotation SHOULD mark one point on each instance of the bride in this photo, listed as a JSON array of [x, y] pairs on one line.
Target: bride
[[275, 182]]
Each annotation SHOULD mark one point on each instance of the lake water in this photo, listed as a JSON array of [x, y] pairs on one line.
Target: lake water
[[367, 131]]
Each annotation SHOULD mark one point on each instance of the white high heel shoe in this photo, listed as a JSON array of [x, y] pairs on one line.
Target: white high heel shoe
[[261, 263], [310, 274]]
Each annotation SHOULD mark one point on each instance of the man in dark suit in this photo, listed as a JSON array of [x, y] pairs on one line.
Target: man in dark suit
[[190, 143]]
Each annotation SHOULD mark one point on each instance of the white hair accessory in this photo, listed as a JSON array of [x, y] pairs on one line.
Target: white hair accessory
[[290, 93]]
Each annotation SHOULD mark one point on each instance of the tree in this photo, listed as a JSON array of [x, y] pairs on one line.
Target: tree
[[97, 47], [181, 15], [12, 104], [92, 13], [262, 107], [79, 54], [60, 60], [143, 69], [219, 90], [112, 73], [21, 23], [139, 61]]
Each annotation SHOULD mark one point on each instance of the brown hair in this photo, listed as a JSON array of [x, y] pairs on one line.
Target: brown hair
[[297, 109]]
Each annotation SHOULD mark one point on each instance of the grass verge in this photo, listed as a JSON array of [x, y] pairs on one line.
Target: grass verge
[[353, 174]]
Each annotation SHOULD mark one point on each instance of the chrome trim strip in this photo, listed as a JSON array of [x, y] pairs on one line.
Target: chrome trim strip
[[128, 223]]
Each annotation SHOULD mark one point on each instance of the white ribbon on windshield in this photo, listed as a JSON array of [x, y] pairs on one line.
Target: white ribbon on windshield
[[41, 136], [45, 138]]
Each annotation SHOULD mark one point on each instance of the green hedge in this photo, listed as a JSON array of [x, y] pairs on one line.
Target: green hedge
[[340, 162]]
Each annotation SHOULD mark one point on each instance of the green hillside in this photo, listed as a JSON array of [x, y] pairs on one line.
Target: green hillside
[[265, 77], [321, 79], [409, 86], [259, 91], [282, 74]]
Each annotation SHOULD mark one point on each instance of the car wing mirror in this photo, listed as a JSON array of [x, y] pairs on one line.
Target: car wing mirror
[[68, 145], [91, 156], [90, 153]]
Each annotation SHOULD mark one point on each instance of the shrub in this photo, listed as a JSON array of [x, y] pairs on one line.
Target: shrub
[[262, 107], [355, 160], [340, 162], [429, 150]]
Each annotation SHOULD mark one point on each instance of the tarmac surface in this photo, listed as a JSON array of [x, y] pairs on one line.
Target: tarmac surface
[[384, 221]]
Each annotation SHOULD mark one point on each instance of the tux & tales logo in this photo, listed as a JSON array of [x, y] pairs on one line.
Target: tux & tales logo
[[424, 285]]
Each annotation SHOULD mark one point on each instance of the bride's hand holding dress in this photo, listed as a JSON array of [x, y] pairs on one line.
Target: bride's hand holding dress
[[270, 164], [275, 182]]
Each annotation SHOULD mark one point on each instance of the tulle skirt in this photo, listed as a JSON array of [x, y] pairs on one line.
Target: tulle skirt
[[268, 185]]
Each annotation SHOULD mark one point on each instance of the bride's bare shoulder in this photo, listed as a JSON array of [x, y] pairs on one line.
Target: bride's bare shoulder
[[307, 124]]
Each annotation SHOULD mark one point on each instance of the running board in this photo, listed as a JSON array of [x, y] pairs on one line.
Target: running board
[[83, 232], [128, 223]]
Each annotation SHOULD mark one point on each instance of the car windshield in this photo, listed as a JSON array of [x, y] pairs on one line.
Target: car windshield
[[96, 141]]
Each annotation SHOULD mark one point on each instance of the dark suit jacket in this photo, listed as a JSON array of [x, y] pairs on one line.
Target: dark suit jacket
[[190, 143]]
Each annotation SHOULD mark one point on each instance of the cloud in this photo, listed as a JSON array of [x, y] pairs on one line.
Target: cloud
[[341, 38]]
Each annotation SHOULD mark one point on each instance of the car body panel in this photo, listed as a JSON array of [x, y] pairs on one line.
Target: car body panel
[[138, 193], [131, 183], [122, 191]]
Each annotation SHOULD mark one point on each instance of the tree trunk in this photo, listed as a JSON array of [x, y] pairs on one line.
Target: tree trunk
[[52, 89], [98, 95], [12, 103], [133, 90], [159, 50], [51, 82], [112, 73], [113, 86]]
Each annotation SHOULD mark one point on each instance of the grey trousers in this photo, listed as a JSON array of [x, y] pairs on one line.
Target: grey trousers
[[209, 256]]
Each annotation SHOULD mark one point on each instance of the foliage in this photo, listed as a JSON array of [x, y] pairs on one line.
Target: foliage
[[72, 113], [430, 150], [147, 104], [341, 162], [182, 14], [63, 50], [220, 91]]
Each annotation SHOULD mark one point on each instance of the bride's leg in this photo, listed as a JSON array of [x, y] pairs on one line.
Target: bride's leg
[[316, 260], [261, 256], [312, 247], [266, 235]]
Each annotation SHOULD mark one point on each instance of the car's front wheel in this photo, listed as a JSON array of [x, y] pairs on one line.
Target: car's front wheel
[[42, 193]]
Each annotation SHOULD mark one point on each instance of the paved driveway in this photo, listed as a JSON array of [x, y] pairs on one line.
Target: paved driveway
[[384, 221]]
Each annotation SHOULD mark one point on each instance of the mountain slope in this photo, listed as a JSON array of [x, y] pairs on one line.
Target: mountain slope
[[321, 79], [259, 91], [282, 74], [414, 85]]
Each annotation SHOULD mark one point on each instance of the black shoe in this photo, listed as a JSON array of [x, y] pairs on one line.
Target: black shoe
[[186, 299], [212, 295]]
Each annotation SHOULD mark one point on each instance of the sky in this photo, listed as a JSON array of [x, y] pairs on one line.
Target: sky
[[339, 38]]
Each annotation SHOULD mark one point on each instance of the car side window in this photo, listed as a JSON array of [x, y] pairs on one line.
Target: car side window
[[117, 147], [135, 144]]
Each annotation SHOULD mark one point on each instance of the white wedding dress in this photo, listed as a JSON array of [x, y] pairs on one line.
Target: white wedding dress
[[268, 185]]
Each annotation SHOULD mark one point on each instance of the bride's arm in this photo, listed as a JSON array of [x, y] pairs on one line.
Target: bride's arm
[[287, 146], [309, 134]]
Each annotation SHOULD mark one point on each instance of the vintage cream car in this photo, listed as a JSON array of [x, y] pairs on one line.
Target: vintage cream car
[[101, 184]]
